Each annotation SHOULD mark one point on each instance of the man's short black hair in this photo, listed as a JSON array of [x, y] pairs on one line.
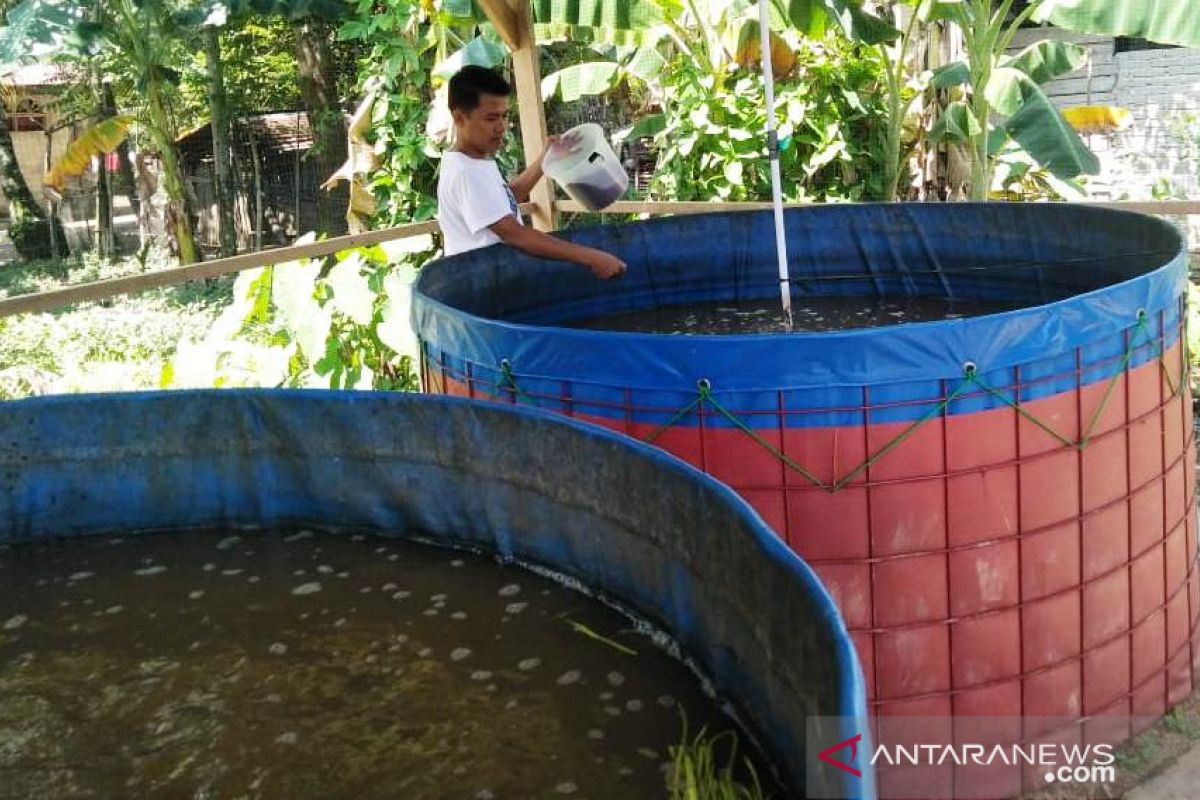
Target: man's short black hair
[[470, 82]]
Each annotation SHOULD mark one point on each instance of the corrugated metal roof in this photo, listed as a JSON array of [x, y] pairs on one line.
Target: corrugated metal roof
[[40, 74], [281, 131]]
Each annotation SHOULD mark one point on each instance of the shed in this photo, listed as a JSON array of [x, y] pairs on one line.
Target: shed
[[276, 179]]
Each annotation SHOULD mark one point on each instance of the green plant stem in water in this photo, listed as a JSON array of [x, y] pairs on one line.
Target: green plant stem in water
[[696, 773], [579, 627]]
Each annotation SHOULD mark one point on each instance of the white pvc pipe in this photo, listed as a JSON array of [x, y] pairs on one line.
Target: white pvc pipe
[[785, 287]]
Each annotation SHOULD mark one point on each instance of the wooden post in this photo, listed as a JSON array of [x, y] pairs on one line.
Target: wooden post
[[49, 197], [296, 177], [258, 194], [514, 21]]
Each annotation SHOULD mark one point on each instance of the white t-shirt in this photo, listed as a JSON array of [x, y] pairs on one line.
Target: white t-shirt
[[472, 194]]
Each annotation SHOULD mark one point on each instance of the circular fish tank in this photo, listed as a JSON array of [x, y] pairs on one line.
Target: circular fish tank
[[1001, 499], [274, 593]]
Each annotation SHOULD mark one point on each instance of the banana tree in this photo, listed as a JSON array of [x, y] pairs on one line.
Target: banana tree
[[1005, 96], [1004, 99], [143, 33]]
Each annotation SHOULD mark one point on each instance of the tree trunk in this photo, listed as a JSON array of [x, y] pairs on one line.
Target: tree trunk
[[104, 216], [177, 215], [29, 227], [222, 174], [318, 88], [104, 224]]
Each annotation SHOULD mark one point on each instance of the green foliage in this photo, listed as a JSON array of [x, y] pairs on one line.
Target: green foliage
[[712, 145], [1179, 720], [614, 21], [31, 237], [260, 71], [33, 29], [339, 323], [400, 41], [1005, 98], [1040, 129], [1017, 176], [109, 345], [815, 16], [1193, 335], [698, 771]]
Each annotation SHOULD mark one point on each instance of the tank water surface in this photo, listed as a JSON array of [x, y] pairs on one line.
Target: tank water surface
[[309, 665], [170, 627], [809, 314]]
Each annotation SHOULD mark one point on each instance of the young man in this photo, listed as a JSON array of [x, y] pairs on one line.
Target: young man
[[476, 207]]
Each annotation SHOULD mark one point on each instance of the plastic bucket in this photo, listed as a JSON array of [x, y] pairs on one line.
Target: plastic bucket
[[586, 167]]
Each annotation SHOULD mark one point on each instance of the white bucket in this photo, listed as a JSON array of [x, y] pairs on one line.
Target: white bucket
[[586, 167]]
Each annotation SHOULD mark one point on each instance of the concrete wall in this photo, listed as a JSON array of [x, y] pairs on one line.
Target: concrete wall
[[31, 153], [1158, 87]]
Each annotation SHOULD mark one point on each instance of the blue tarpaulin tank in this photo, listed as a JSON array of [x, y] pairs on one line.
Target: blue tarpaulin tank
[[640, 528], [1002, 505]]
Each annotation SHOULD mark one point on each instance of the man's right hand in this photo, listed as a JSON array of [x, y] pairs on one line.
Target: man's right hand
[[605, 265]]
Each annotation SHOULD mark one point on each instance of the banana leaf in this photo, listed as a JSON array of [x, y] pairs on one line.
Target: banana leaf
[[480, 51], [577, 80], [813, 18], [646, 63], [956, 124], [1163, 21], [940, 10], [103, 137], [1043, 132], [951, 74], [621, 22], [1046, 60], [1006, 90], [35, 28], [646, 126]]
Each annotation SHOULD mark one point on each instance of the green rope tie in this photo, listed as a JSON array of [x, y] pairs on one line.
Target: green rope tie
[[508, 383], [703, 393], [1159, 353], [970, 377]]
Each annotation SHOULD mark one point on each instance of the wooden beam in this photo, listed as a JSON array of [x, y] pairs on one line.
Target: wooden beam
[[528, 78], [504, 18], [96, 290], [47, 301], [1160, 207]]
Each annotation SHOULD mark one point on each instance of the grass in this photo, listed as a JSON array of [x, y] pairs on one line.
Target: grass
[[1141, 758], [114, 344], [698, 771]]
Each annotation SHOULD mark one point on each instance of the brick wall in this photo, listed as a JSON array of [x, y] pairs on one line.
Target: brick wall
[[1156, 86]]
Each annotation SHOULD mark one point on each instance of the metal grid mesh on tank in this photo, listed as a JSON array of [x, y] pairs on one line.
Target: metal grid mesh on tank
[[1002, 506], [1110, 634]]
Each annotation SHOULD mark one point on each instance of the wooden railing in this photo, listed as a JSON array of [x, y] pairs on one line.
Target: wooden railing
[[57, 298]]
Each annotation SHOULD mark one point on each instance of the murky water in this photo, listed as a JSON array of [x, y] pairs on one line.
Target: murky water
[[808, 314], [204, 666]]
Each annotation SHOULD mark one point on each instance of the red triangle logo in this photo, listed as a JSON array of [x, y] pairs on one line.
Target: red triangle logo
[[852, 743]]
